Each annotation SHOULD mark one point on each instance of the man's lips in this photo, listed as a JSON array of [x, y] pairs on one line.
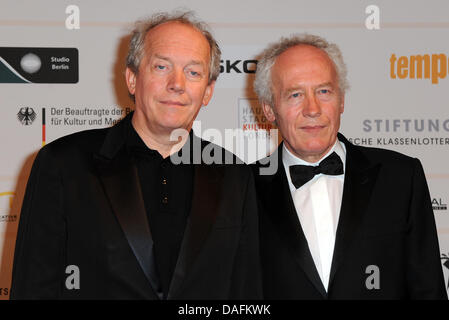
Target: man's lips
[[173, 103], [312, 127]]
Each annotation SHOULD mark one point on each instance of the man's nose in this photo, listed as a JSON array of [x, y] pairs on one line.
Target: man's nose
[[176, 82], [312, 107]]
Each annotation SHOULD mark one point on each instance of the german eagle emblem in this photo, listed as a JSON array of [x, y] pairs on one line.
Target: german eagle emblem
[[26, 115]]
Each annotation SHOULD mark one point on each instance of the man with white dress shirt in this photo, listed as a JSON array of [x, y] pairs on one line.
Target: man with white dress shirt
[[337, 221]]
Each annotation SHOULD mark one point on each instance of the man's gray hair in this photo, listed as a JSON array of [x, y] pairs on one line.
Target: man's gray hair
[[263, 82], [137, 44]]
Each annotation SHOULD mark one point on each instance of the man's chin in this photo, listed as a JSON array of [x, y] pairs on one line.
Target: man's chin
[[313, 149], [175, 127]]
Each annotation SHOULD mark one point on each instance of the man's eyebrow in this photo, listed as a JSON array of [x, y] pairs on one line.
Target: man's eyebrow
[[161, 57], [298, 88], [326, 84], [291, 90], [195, 62], [191, 62]]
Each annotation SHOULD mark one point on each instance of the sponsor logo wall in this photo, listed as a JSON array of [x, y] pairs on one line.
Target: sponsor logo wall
[[62, 64]]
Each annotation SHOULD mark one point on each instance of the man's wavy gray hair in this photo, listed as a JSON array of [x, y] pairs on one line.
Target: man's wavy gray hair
[[137, 44], [263, 83]]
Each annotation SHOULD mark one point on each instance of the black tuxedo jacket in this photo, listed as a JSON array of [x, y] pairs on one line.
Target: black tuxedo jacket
[[83, 207], [386, 221]]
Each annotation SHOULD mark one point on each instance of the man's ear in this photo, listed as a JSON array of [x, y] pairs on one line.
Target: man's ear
[[268, 111], [130, 80], [208, 93], [342, 104]]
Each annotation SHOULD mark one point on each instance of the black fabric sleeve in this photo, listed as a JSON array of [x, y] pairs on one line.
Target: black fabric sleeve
[[247, 274], [38, 269], [424, 270]]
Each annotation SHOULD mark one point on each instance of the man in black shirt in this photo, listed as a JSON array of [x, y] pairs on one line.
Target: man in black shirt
[[108, 215]]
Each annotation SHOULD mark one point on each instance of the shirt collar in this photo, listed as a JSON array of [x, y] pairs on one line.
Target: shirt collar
[[137, 147]]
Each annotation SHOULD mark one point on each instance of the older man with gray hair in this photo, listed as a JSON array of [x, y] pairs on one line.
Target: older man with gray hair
[[108, 215], [337, 221]]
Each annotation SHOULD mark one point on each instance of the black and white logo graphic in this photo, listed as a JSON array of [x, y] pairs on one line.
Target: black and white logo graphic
[[38, 65], [438, 204], [26, 116]]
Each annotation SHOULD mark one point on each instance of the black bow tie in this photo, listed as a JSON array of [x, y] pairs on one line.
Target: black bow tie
[[300, 174]]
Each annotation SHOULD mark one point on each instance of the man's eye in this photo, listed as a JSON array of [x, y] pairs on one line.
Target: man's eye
[[295, 95], [324, 91], [160, 67], [193, 73]]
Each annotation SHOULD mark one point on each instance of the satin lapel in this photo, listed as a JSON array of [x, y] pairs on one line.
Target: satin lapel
[[121, 184], [280, 207], [360, 177], [205, 201]]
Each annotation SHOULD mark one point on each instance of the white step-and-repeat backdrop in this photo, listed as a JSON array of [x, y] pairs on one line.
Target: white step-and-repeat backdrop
[[72, 53]]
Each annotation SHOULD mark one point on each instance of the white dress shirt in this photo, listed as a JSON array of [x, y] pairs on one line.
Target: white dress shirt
[[318, 204]]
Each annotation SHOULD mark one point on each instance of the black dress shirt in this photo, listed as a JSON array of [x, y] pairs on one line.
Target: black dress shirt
[[167, 194]]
